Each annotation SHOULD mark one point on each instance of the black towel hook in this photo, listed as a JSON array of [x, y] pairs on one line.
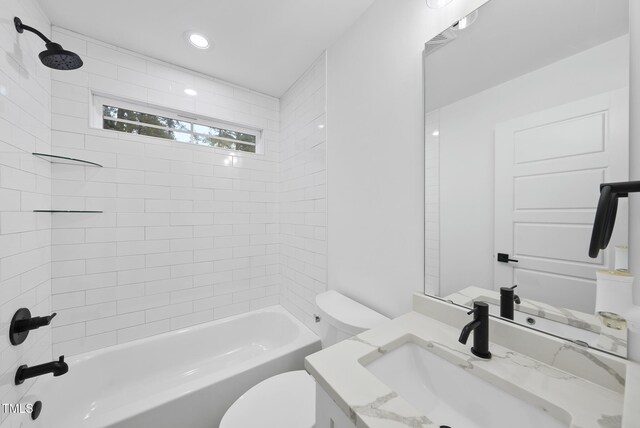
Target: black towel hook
[[606, 213]]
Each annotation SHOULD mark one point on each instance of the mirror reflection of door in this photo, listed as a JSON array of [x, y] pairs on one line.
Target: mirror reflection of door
[[526, 113], [500, 69], [548, 168]]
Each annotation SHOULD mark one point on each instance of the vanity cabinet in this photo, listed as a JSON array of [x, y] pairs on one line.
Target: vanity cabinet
[[328, 414]]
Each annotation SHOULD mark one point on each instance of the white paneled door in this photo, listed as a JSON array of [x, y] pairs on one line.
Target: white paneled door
[[549, 166]]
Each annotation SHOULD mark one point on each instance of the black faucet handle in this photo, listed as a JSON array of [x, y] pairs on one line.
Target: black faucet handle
[[22, 323], [36, 322], [516, 298], [480, 309], [61, 359], [42, 321]]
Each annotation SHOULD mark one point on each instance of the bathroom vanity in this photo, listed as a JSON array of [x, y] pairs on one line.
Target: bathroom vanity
[[413, 372]]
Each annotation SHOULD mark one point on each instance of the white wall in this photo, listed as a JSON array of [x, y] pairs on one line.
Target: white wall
[[189, 234], [25, 185], [634, 138], [303, 200], [375, 156], [432, 204], [467, 126]]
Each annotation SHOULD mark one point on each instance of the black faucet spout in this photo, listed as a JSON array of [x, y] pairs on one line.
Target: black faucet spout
[[466, 331], [480, 328], [58, 368]]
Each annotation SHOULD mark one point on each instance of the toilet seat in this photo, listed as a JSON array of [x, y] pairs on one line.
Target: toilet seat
[[284, 401]]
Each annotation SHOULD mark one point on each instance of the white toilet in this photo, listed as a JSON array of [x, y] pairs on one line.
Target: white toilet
[[288, 400]]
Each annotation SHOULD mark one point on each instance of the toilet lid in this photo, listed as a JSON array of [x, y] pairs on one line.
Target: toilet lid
[[284, 401]]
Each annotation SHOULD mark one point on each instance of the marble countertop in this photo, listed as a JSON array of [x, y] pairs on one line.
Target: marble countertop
[[369, 403]]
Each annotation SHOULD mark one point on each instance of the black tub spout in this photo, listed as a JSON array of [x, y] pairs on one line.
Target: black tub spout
[[58, 368]]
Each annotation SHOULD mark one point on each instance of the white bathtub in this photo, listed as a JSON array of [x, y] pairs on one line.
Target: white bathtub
[[187, 378]]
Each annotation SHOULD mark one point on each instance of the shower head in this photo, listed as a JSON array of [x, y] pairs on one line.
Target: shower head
[[55, 56], [59, 59]]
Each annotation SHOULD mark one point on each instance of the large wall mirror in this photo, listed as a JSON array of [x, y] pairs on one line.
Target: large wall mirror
[[526, 113]]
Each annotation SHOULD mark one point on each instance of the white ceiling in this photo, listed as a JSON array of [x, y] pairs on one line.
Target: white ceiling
[[264, 45], [514, 37]]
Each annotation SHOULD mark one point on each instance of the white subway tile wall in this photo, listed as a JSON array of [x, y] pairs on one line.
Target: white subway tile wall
[[303, 196], [25, 185], [189, 234]]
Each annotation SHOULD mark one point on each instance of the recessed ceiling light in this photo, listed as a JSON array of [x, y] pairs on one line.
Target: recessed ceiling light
[[436, 133], [321, 126], [197, 40], [191, 92]]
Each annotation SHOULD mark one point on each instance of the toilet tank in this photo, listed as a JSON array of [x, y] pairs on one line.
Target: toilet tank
[[341, 317]]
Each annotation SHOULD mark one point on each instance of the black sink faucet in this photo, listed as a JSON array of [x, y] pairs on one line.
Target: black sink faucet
[[480, 328], [58, 368], [507, 299]]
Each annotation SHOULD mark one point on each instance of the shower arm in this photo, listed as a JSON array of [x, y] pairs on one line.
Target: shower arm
[[20, 27]]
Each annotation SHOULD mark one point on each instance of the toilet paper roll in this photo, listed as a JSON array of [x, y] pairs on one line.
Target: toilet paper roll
[[614, 292], [622, 258]]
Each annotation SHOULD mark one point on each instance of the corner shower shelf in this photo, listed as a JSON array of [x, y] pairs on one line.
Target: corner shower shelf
[[66, 160], [67, 211]]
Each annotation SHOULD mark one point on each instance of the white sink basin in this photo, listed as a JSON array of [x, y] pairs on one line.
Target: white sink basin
[[554, 327], [452, 396]]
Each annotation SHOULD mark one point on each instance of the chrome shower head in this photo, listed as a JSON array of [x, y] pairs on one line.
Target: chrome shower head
[[54, 56]]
